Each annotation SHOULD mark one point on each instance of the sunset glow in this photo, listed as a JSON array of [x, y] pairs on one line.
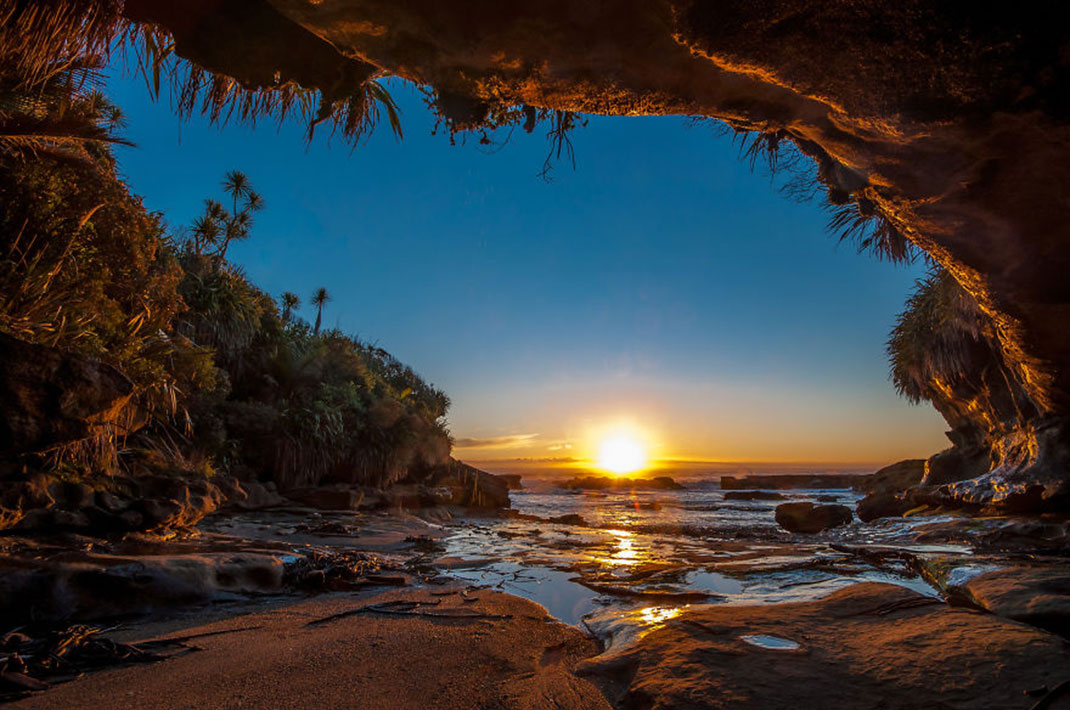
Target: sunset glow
[[621, 453]]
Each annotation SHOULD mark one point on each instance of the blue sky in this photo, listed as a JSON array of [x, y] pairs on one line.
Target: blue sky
[[661, 286]]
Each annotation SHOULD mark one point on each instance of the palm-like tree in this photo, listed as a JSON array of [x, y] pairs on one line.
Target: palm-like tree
[[319, 299], [218, 226], [290, 301], [244, 201]]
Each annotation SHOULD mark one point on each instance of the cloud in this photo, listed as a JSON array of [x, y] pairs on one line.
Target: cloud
[[495, 442]]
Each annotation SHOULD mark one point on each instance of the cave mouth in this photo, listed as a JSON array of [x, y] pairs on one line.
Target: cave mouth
[[943, 132]]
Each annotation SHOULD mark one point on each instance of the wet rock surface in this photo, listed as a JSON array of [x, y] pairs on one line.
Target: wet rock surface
[[1038, 594], [867, 646]]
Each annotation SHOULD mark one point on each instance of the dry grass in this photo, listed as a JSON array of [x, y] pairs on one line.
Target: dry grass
[[41, 37]]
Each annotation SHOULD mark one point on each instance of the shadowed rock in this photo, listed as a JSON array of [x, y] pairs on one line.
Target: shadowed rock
[[50, 398], [810, 518]]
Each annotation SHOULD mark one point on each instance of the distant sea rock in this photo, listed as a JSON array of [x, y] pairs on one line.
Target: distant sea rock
[[602, 483], [513, 480]]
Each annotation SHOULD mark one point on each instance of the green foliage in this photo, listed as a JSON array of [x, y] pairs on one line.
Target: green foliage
[[320, 298], [222, 380], [936, 337]]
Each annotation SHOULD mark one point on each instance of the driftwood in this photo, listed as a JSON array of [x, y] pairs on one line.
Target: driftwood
[[32, 662]]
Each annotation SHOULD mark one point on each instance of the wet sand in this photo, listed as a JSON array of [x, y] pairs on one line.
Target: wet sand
[[453, 649]]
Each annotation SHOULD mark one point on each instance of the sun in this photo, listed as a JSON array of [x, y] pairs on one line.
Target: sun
[[621, 453]]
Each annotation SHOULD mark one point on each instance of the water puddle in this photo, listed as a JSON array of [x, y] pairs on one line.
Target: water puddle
[[564, 599], [773, 643], [714, 582]]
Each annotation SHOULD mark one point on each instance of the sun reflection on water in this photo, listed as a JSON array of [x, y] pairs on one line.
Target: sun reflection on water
[[654, 615], [626, 553]]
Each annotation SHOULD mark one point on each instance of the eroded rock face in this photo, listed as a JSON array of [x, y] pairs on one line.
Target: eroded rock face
[[49, 398], [947, 123], [470, 487]]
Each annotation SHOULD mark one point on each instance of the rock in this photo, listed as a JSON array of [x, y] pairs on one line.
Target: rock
[[1038, 595], [753, 495], [72, 520], [810, 518], [894, 478], [470, 487], [602, 483], [70, 495], [512, 480], [18, 499], [48, 397], [869, 645], [110, 502], [328, 498], [251, 495], [882, 505], [96, 586], [569, 519]]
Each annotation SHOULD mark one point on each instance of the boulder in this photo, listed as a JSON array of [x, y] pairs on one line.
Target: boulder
[[1038, 595], [49, 397], [882, 505], [810, 518], [894, 478]]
